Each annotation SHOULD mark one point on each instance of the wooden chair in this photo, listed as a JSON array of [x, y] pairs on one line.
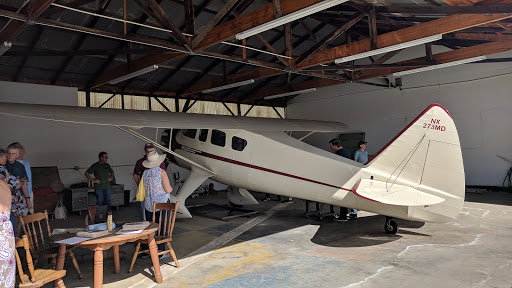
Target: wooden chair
[[91, 215], [40, 247], [164, 233], [36, 277]]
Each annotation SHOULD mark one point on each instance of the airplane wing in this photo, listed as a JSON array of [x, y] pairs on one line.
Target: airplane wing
[[401, 195], [156, 119]]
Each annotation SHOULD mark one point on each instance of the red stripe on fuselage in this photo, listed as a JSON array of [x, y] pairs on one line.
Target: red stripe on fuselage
[[216, 157]]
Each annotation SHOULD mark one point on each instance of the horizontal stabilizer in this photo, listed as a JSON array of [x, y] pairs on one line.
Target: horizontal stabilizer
[[156, 119], [394, 194]]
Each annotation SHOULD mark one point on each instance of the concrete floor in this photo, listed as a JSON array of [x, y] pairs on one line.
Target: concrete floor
[[279, 247]]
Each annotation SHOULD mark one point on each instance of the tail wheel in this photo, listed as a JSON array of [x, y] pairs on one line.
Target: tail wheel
[[390, 226]]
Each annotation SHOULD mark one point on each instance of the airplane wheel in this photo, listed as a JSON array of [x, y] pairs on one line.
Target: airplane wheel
[[391, 227]]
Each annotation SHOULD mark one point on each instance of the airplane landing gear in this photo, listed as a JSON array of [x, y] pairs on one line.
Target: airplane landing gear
[[390, 226]]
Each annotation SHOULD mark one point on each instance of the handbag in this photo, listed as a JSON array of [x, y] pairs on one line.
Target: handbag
[[60, 211], [141, 191]]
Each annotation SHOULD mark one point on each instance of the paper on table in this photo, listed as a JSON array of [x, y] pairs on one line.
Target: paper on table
[[130, 232], [72, 240]]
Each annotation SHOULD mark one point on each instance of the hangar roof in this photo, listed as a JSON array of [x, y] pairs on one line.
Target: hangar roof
[[89, 44]]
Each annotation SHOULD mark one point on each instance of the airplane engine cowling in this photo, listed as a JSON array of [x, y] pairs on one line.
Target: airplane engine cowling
[[240, 196]]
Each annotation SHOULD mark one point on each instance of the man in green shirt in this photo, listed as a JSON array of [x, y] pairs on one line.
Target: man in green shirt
[[103, 174]]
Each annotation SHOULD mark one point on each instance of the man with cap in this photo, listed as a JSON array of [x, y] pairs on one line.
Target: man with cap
[[139, 169], [361, 155]]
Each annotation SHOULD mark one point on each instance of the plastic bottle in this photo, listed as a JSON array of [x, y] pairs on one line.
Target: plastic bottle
[[109, 222]]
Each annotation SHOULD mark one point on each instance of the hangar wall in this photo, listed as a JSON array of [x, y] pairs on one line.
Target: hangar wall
[[478, 96], [67, 145]]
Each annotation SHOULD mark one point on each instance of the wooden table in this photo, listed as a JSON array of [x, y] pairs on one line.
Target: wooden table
[[104, 243]]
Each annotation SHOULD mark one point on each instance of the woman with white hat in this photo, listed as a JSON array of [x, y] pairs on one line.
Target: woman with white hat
[[157, 186]]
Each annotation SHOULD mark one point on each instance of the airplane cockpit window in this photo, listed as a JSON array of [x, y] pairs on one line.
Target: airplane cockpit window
[[218, 138], [203, 134], [191, 133], [238, 143]]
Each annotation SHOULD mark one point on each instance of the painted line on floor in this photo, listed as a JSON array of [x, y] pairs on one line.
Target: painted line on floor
[[190, 259]]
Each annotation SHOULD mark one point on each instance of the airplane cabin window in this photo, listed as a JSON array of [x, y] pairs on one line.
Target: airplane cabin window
[[203, 134], [191, 133], [218, 138], [238, 143]]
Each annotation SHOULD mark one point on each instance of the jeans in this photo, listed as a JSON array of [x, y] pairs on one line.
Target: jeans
[[102, 196], [143, 211]]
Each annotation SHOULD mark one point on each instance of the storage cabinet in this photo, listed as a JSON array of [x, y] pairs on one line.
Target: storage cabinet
[[82, 198]]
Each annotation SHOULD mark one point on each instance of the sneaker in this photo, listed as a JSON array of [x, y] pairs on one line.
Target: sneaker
[[351, 215], [338, 218], [164, 256], [289, 200], [267, 199]]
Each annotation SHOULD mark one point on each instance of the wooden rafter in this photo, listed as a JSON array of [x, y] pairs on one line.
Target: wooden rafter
[[252, 19], [154, 11], [208, 27], [464, 53], [331, 37], [190, 18], [483, 37], [293, 87], [101, 71], [450, 56], [14, 28], [265, 42], [381, 60], [444, 10], [256, 73], [305, 26], [440, 26], [287, 31], [372, 27]]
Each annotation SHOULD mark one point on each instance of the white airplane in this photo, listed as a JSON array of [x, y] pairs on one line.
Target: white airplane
[[418, 175]]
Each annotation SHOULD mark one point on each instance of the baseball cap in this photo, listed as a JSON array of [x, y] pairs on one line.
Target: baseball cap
[[362, 142]]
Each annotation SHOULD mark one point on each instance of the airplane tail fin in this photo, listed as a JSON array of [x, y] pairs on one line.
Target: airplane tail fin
[[425, 157]]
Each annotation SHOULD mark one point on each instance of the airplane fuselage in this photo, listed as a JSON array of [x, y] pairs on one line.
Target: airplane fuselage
[[273, 162]]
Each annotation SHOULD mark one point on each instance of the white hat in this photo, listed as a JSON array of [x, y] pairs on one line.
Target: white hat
[[154, 160]]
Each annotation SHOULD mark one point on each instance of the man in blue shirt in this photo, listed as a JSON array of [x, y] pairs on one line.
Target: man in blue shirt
[[361, 155]]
